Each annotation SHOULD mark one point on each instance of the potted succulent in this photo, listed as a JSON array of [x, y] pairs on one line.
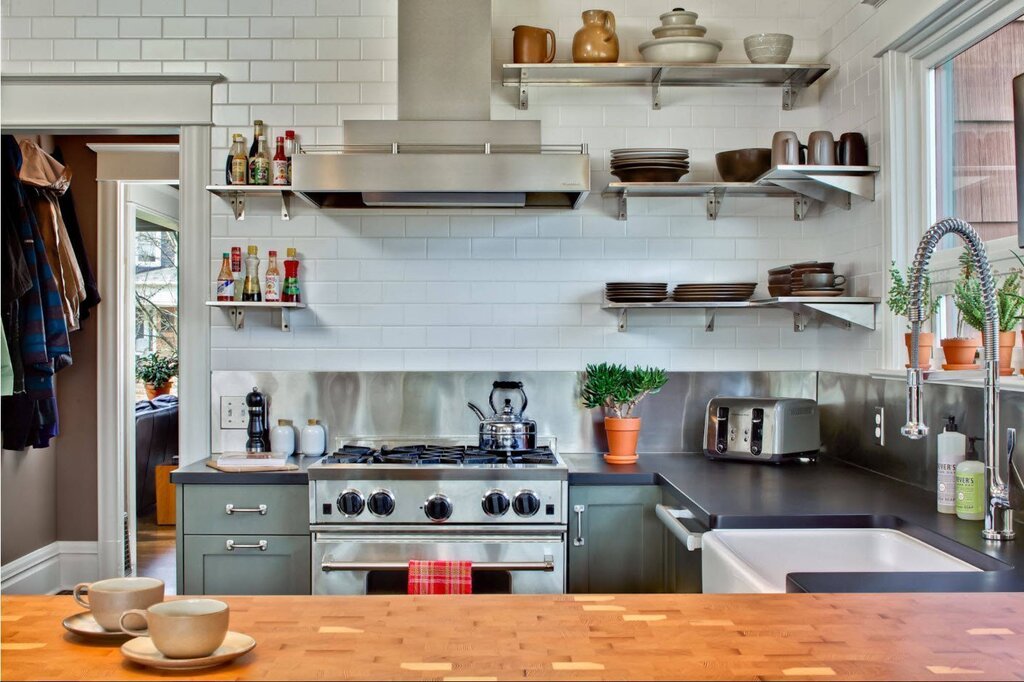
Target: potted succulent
[[1009, 308], [618, 390], [960, 350], [157, 372], [899, 303]]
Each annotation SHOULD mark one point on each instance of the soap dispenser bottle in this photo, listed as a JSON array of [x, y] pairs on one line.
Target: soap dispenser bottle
[[970, 486], [952, 449]]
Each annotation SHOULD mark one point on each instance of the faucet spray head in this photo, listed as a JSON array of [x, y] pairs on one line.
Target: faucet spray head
[[915, 428]]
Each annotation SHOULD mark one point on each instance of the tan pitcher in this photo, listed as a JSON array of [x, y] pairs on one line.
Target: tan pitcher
[[596, 41], [532, 45]]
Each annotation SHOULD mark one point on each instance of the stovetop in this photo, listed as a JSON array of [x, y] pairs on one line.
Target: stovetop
[[423, 454]]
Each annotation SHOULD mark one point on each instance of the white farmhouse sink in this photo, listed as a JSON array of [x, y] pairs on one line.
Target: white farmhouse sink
[[744, 561]]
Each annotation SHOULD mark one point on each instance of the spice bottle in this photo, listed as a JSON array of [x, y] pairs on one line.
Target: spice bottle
[[290, 293], [279, 164], [257, 131], [259, 165], [236, 271], [251, 289], [226, 280], [238, 162], [289, 150], [272, 292]]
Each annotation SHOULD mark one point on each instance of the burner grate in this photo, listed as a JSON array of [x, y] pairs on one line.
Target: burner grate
[[426, 455]]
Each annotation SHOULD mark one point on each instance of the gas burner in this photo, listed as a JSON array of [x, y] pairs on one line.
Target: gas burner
[[353, 454], [426, 455]]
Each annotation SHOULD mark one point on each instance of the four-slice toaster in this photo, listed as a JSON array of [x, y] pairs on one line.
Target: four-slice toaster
[[761, 429]]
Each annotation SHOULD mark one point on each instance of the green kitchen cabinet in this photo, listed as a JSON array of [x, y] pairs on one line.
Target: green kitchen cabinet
[[247, 564], [616, 542]]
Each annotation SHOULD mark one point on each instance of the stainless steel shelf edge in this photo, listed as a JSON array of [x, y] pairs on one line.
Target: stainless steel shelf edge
[[236, 195], [845, 311], [236, 310]]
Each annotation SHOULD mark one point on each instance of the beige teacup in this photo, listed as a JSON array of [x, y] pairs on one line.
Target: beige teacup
[[108, 599], [185, 628], [823, 280]]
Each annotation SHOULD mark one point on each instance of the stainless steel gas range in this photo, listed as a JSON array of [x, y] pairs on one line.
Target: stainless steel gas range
[[377, 504]]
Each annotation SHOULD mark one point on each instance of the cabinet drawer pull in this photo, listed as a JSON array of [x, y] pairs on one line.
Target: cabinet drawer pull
[[578, 541], [230, 509], [673, 522], [232, 546]]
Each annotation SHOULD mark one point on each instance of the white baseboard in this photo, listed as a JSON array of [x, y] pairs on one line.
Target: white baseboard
[[58, 566]]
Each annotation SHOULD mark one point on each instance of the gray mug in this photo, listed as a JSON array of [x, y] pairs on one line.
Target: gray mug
[[821, 149], [786, 149]]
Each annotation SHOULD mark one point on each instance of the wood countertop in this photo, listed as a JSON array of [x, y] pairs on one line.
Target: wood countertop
[[753, 637]]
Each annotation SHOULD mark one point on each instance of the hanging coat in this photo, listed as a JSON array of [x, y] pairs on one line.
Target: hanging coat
[[67, 209]]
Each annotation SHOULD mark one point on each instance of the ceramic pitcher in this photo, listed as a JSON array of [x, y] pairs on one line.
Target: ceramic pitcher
[[596, 41], [532, 45]]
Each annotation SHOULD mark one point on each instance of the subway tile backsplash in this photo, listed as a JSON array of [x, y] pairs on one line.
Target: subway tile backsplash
[[425, 290]]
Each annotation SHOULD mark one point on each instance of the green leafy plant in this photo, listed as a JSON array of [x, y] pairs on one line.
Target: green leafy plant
[[899, 294], [618, 389], [970, 305], [156, 369]]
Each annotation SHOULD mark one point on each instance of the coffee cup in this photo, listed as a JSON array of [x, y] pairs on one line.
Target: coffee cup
[[786, 149], [852, 150], [108, 599], [823, 280], [184, 628], [821, 149]]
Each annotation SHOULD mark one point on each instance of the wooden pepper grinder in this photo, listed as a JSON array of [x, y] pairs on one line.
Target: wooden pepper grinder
[[257, 429]]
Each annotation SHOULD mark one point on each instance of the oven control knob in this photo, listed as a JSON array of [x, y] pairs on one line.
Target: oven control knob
[[381, 503], [495, 503], [350, 503], [438, 507], [526, 503]]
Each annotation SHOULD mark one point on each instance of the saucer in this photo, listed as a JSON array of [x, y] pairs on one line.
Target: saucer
[[84, 625], [141, 650], [817, 292], [956, 368]]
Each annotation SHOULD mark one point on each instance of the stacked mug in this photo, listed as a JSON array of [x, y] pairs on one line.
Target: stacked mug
[[822, 149]]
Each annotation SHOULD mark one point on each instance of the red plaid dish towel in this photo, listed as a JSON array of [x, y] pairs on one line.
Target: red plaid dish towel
[[440, 577]]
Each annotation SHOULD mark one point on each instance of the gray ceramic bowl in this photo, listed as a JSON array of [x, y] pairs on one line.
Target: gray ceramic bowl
[[768, 48]]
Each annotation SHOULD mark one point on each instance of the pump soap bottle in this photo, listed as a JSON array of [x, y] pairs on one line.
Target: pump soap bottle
[[952, 449], [970, 487]]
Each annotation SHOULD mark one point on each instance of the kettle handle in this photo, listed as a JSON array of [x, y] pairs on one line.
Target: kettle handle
[[507, 386]]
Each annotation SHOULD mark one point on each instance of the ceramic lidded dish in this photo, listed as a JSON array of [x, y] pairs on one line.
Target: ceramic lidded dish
[[679, 31], [768, 48], [678, 17], [681, 50]]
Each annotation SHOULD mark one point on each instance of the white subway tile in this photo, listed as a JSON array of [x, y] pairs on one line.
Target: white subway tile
[[234, 27], [195, 8], [53, 27], [271, 27], [119, 8], [88, 27]]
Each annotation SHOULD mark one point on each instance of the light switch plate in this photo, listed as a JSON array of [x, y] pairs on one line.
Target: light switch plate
[[879, 426], [233, 413]]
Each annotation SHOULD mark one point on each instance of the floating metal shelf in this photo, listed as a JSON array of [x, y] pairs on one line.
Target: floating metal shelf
[[790, 77], [236, 310], [236, 194], [843, 311], [827, 184]]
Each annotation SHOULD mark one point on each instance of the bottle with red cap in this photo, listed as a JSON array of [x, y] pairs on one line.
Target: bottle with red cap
[[279, 165]]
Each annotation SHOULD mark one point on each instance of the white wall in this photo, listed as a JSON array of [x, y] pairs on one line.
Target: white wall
[[501, 290]]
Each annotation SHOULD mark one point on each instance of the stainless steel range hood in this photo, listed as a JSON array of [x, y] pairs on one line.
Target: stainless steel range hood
[[444, 151]]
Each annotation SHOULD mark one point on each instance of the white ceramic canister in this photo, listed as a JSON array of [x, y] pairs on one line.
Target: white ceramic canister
[[282, 438], [313, 440]]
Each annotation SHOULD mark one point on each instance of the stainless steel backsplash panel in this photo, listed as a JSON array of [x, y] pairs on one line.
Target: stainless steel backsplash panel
[[411, 404]]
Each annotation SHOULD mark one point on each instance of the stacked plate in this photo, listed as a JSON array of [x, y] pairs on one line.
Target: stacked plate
[[712, 292], [636, 292], [650, 165]]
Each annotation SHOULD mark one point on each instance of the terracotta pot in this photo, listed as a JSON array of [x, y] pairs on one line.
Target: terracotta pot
[[532, 45], [596, 41], [154, 391], [1007, 340], [924, 345], [623, 434], [960, 353]]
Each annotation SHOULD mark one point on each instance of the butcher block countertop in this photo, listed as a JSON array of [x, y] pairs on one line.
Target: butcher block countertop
[[751, 637]]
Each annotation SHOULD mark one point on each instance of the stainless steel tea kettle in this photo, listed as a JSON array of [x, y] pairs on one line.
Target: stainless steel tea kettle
[[506, 431]]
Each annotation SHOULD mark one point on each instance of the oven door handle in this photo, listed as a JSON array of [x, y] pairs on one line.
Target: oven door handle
[[546, 566]]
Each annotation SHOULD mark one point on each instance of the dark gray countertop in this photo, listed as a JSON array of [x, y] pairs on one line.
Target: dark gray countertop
[[826, 493]]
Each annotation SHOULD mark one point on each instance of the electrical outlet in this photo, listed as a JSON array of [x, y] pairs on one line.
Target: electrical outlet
[[879, 426], [233, 413]]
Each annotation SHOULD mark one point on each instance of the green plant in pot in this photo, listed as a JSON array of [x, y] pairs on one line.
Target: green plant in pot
[[1009, 308], [898, 301], [157, 372], [618, 390]]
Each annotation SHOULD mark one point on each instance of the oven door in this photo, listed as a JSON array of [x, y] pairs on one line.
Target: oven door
[[522, 561]]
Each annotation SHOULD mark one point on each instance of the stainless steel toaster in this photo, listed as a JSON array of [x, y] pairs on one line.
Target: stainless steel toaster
[[761, 429]]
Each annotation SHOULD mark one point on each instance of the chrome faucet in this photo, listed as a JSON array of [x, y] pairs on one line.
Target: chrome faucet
[[998, 512]]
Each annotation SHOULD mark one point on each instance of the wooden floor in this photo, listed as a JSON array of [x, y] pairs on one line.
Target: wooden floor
[[592, 637], [155, 552]]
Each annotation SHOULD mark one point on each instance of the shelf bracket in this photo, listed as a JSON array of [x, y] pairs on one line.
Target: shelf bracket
[[656, 90], [286, 319], [624, 205], [623, 319], [237, 200], [799, 322], [237, 316], [800, 206], [714, 203], [524, 94], [285, 206], [709, 319], [789, 94]]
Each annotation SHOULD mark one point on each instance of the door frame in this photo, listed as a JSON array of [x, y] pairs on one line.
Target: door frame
[[135, 104]]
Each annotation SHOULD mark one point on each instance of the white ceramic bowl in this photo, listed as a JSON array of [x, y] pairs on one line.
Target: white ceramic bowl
[[681, 50], [768, 48], [678, 17], [679, 31]]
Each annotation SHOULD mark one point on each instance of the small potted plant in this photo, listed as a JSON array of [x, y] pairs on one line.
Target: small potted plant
[[899, 303], [960, 350], [157, 372], [1009, 308], [618, 390]]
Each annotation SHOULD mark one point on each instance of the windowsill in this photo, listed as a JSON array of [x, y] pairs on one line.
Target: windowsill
[[970, 379]]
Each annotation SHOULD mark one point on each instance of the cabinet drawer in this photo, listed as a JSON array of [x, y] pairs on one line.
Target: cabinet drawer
[[235, 564], [227, 509]]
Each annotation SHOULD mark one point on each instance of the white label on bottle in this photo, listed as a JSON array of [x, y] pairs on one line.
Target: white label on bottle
[[947, 485], [279, 172], [273, 291], [225, 289]]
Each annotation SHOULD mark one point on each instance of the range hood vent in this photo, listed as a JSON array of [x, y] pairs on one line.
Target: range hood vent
[[443, 151]]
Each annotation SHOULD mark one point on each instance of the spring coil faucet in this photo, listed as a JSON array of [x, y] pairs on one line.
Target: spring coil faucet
[[998, 512]]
